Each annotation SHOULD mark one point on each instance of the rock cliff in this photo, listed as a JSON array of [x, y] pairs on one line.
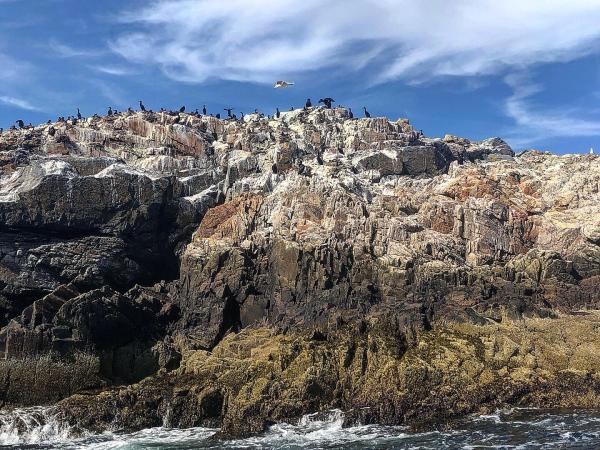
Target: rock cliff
[[177, 269]]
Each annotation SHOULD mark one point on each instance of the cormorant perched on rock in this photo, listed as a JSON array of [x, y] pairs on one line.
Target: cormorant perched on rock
[[367, 114], [51, 131], [350, 113], [109, 112], [1, 130], [308, 103], [204, 109], [20, 123], [129, 110], [228, 111], [242, 116], [218, 116], [182, 109], [278, 114], [78, 114], [176, 119], [327, 101], [49, 122], [142, 107], [274, 168]]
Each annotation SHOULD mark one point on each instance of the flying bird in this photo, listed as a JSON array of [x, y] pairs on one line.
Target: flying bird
[[283, 84]]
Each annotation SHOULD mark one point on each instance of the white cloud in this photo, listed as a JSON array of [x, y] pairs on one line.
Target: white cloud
[[262, 40], [13, 70], [66, 51], [534, 124], [113, 70], [18, 102]]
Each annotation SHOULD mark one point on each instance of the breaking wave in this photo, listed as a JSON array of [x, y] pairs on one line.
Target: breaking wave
[[37, 425], [41, 428]]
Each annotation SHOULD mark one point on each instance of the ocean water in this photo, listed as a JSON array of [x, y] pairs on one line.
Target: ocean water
[[37, 428]]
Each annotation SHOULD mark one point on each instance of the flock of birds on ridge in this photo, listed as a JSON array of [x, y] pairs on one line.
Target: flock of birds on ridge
[[327, 101]]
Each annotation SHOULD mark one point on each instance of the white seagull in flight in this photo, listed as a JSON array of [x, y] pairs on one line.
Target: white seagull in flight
[[283, 84]]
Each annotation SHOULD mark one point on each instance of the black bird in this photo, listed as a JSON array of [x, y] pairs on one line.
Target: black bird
[[78, 114], [233, 116], [228, 111], [242, 116], [197, 113], [308, 103], [49, 122], [20, 123], [182, 109], [327, 101], [1, 130], [274, 168], [350, 113], [367, 114], [110, 111], [218, 116], [204, 109], [278, 114], [142, 107], [129, 110], [51, 131]]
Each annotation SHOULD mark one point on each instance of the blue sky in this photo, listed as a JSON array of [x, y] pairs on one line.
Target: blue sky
[[526, 71]]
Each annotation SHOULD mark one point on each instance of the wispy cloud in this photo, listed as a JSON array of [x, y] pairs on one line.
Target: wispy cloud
[[113, 70], [66, 51], [111, 92], [13, 70], [534, 124], [18, 102], [256, 40]]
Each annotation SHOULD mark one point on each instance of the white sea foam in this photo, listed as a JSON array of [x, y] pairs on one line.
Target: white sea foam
[[38, 428], [32, 426]]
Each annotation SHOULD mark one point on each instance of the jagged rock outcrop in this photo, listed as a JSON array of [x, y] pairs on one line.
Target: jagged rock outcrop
[[345, 254]]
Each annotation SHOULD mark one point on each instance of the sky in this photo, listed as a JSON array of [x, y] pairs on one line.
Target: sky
[[527, 71]]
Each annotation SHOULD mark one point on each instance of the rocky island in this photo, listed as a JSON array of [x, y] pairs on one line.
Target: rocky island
[[181, 270]]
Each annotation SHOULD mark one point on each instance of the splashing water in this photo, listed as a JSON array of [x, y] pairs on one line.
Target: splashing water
[[38, 428], [32, 426]]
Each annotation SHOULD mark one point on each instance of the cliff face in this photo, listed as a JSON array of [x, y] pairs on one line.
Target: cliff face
[[254, 271]]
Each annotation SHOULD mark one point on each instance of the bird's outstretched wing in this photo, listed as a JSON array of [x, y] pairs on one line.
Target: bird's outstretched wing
[[283, 84]]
